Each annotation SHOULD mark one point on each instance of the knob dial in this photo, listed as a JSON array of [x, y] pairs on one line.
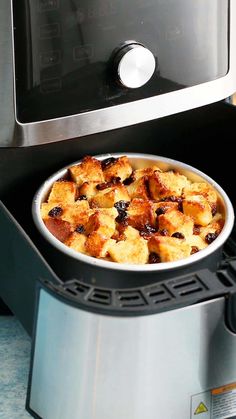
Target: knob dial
[[135, 65]]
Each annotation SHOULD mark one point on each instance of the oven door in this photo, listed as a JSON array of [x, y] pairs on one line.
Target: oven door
[[68, 58]]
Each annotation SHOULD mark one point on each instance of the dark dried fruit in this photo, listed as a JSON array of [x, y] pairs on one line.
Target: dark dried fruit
[[210, 237], [178, 235], [163, 232], [82, 198], [102, 186], [196, 230], [108, 162], [172, 198], [194, 250], [129, 180], [114, 181], [160, 210], [121, 205], [147, 231], [80, 229], [55, 212], [213, 209], [154, 258], [63, 179], [122, 217]]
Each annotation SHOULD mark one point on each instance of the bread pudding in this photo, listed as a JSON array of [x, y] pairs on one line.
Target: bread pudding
[[110, 210]]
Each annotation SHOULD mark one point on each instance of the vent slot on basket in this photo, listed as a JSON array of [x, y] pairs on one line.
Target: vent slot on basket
[[187, 286], [157, 294], [100, 296], [225, 279], [131, 298], [76, 288]]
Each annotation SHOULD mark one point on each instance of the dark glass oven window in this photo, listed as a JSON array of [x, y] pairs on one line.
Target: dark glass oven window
[[63, 50]]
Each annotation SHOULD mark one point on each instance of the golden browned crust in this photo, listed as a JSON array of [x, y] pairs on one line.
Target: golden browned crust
[[165, 184], [88, 171], [120, 168]]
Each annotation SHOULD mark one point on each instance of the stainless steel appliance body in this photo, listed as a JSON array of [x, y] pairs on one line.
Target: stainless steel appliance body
[[71, 74], [166, 365]]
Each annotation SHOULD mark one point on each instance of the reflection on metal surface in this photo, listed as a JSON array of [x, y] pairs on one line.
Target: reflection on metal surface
[[231, 100]]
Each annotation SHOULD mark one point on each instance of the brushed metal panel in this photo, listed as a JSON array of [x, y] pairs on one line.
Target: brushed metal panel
[[95, 367]]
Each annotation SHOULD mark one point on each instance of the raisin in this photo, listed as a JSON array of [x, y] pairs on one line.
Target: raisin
[[129, 180], [122, 217], [194, 250], [102, 186], [163, 232], [80, 229], [154, 258], [178, 235], [160, 210], [147, 231], [180, 206], [108, 162], [121, 205], [55, 212], [210, 237], [62, 179], [196, 230], [115, 180], [172, 198], [213, 209], [82, 198]]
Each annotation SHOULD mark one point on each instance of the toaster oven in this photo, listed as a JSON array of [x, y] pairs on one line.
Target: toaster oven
[[94, 77]]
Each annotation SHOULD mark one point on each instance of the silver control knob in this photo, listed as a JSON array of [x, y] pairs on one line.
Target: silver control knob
[[135, 65]]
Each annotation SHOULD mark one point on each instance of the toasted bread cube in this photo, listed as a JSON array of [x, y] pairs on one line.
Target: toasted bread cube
[[196, 241], [46, 207], [201, 188], [131, 233], [101, 223], [63, 191], [109, 196], [164, 184], [146, 171], [175, 221], [138, 189], [59, 228], [169, 248], [214, 227], [76, 213], [97, 245], [163, 206], [88, 189], [76, 241], [119, 167], [134, 251], [89, 170], [197, 207], [112, 212], [140, 213]]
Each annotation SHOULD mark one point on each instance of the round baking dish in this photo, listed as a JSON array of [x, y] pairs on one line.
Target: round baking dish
[[68, 263]]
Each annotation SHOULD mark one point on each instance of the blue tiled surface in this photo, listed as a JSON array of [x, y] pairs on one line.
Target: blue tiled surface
[[14, 367]]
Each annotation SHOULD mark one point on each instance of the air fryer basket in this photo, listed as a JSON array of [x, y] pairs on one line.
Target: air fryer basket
[[70, 264]]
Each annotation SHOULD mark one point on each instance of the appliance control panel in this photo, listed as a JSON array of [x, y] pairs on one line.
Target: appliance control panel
[[75, 56]]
